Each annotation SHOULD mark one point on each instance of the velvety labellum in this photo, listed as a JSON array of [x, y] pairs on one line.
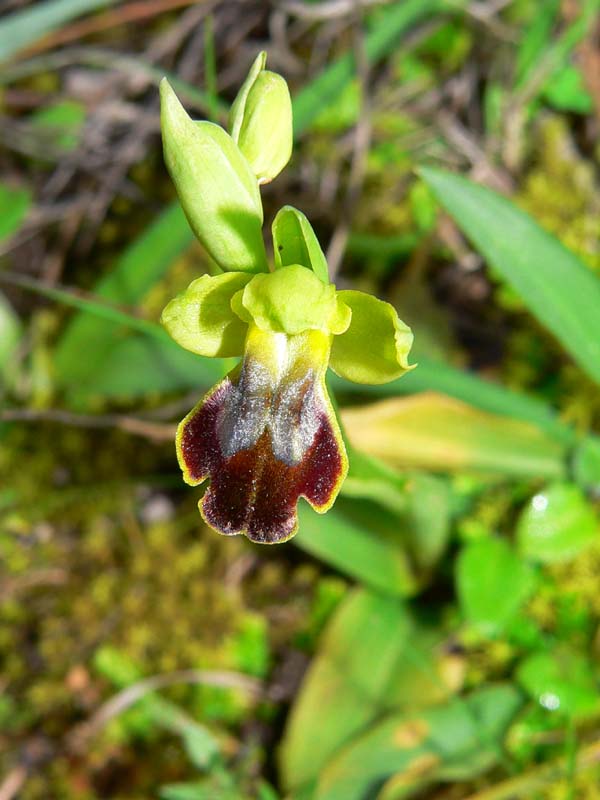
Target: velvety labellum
[[265, 436]]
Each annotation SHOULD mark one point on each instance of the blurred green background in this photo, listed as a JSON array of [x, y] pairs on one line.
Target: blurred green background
[[435, 635]]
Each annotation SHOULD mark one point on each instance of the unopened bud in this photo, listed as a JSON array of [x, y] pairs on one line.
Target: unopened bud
[[261, 121], [217, 189]]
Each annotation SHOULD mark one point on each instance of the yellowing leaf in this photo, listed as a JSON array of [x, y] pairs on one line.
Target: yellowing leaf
[[436, 432]]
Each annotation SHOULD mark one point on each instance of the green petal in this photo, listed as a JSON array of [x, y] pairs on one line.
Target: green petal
[[376, 345], [201, 319], [216, 187], [294, 242], [291, 300], [236, 115]]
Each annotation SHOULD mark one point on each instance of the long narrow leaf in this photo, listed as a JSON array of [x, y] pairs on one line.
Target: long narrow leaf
[[356, 549], [24, 27], [556, 287]]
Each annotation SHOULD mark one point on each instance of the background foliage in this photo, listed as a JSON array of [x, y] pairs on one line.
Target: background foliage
[[436, 634]]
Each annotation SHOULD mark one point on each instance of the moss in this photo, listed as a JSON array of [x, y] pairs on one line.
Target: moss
[[561, 191], [95, 566]]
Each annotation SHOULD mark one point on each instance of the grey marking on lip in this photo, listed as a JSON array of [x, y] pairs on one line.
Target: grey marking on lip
[[245, 410], [289, 409], [294, 419]]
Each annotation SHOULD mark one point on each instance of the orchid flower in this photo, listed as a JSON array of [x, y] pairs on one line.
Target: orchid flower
[[267, 434]]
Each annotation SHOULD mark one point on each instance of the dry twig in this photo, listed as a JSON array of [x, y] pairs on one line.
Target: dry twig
[[155, 431]]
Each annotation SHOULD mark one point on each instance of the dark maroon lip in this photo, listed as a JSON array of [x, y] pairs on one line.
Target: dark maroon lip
[[261, 455]]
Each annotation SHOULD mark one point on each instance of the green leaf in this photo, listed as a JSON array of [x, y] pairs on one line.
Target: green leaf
[[216, 187], [375, 347], [371, 479], [266, 792], [557, 524], [294, 242], [200, 746], [341, 112], [265, 136], [586, 463], [138, 365], [492, 583], [22, 28], [94, 305], [557, 288], [345, 686], [455, 741], [423, 206], [533, 77], [185, 791], [61, 121], [291, 300], [535, 39], [440, 377], [431, 431], [567, 91], [14, 205], [209, 789], [427, 518], [201, 319], [561, 681], [420, 502], [136, 271], [355, 548], [130, 365]]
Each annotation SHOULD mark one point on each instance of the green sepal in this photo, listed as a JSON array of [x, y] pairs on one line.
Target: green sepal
[[217, 189], [266, 134], [201, 318], [294, 242], [236, 114], [291, 300], [375, 347]]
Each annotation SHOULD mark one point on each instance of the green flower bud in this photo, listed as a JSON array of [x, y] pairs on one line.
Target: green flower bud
[[217, 189], [261, 121], [236, 114]]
